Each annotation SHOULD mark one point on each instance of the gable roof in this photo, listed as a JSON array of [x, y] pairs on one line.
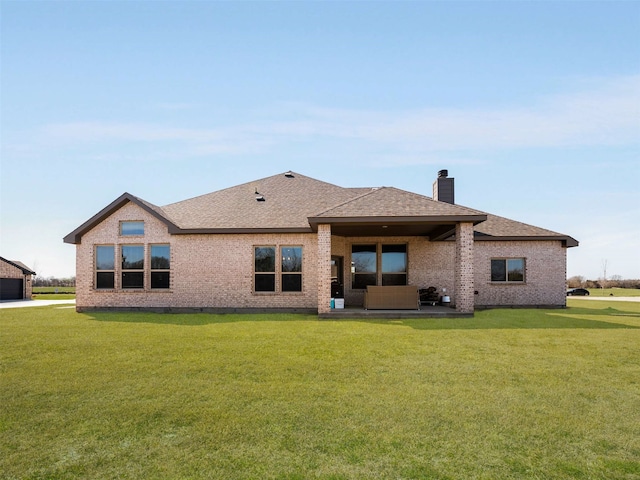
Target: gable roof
[[25, 270], [117, 204], [294, 203]]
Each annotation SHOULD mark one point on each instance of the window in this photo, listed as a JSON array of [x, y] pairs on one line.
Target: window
[[366, 271], [364, 266], [507, 270], [131, 228], [160, 264], [394, 264], [132, 266], [291, 269], [264, 269], [105, 266]]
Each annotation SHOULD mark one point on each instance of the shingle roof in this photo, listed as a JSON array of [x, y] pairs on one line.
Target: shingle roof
[[499, 228], [393, 202], [295, 203], [288, 201]]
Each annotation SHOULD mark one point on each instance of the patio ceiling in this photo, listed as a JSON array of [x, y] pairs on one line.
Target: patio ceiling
[[437, 228]]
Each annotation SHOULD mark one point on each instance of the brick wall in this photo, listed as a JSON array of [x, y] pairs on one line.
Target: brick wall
[[463, 276], [207, 271], [216, 271], [324, 268], [545, 274]]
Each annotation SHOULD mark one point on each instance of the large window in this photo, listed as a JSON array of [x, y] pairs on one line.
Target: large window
[[160, 265], [507, 270], [288, 269], [132, 266], [394, 264], [364, 266], [366, 270], [291, 269], [105, 266], [265, 269]]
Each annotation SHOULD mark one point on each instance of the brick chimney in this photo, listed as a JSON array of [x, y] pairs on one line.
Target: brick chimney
[[443, 190]]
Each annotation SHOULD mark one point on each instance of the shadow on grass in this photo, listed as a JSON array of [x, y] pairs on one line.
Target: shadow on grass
[[570, 318]]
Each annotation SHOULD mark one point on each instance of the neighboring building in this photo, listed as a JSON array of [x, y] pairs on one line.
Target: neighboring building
[[15, 280], [290, 242]]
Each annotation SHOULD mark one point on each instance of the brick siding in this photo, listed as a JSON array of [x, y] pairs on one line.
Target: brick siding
[[463, 299], [216, 271], [545, 274]]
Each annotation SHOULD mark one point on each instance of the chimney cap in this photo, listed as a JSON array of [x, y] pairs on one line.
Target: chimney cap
[[443, 173]]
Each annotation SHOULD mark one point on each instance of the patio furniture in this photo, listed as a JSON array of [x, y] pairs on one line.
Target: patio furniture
[[391, 297]]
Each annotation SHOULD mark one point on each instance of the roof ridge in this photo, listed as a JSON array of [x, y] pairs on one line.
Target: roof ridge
[[253, 182], [353, 199]]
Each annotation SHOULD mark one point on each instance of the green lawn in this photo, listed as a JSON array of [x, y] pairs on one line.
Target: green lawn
[[54, 293], [509, 394], [614, 292]]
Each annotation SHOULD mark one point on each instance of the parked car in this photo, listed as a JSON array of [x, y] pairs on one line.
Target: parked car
[[578, 291]]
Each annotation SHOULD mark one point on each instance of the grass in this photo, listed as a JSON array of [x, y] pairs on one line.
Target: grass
[[614, 292], [54, 293], [546, 394]]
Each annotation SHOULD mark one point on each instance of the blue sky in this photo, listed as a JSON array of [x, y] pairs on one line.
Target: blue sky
[[533, 107]]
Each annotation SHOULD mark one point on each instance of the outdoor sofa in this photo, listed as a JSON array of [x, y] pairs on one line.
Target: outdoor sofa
[[392, 297]]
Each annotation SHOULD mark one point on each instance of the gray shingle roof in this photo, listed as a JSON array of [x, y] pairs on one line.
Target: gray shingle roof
[[288, 202], [393, 202], [496, 227], [296, 203]]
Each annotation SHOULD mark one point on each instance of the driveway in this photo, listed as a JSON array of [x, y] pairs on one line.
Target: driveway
[[34, 303]]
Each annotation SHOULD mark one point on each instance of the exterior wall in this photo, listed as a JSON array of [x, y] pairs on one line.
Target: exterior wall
[[545, 274], [216, 271], [9, 271], [207, 271]]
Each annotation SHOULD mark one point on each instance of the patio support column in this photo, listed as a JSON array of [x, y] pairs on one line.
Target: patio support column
[[324, 268], [464, 290]]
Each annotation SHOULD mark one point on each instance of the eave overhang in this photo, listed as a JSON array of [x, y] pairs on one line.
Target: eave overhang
[[566, 240], [435, 227], [221, 231]]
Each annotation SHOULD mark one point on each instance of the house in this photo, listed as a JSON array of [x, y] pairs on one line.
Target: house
[[15, 280], [290, 242]]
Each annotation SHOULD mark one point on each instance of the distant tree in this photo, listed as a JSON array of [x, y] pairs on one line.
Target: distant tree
[[576, 281]]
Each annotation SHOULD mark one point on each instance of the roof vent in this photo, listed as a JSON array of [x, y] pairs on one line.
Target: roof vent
[[259, 198], [289, 174]]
